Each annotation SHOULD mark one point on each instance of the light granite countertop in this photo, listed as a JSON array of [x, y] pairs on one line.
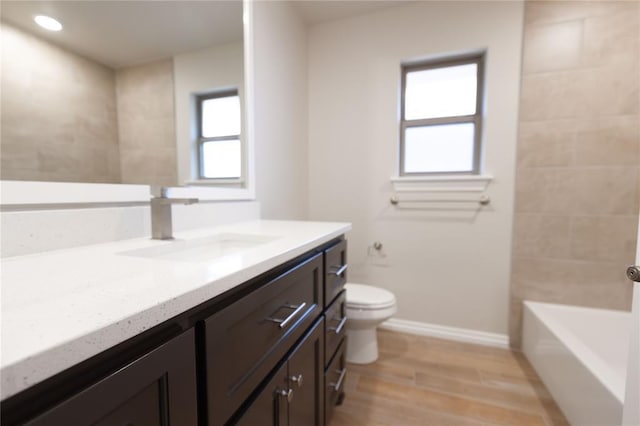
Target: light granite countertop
[[62, 307]]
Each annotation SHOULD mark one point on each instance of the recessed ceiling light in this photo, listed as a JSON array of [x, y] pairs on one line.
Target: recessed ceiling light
[[48, 23]]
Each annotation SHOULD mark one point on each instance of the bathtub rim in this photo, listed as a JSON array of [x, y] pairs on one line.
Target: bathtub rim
[[600, 369]]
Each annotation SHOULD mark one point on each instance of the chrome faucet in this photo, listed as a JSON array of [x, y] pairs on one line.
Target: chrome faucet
[[161, 226]]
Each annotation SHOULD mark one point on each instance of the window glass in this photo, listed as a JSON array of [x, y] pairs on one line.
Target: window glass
[[441, 92], [221, 116], [439, 148], [221, 159]]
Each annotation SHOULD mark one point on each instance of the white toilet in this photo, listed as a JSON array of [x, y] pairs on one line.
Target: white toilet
[[367, 307]]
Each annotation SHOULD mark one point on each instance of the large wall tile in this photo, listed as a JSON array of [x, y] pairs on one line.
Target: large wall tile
[[541, 236], [578, 161], [547, 11], [604, 238], [556, 95], [552, 46], [609, 141], [615, 88], [140, 165], [546, 143], [581, 93], [604, 190], [544, 191], [577, 191], [612, 37], [583, 283]]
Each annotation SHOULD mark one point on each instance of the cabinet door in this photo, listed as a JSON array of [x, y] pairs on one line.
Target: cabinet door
[[246, 340], [294, 394], [158, 388], [269, 408], [335, 271], [335, 320], [306, 379], [334, 380]]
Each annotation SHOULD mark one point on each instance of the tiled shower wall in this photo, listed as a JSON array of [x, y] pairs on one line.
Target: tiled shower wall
[[68, 118], [577, 186], [146, 124], [58, 113]]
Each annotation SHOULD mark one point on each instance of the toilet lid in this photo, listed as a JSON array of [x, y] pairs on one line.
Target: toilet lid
[[368, 297]]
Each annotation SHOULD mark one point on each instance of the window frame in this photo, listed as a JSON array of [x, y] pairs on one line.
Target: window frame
[[201, 140], [477, 58]]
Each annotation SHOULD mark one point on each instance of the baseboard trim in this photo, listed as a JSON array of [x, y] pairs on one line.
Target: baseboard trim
[[449, 333]]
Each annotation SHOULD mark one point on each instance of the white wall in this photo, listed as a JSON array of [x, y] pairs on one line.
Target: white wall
[[280, 111], [32, 230], [216, 68], [444, 269]]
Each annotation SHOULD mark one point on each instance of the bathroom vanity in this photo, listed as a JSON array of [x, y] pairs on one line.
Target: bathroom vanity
[[258, 338]]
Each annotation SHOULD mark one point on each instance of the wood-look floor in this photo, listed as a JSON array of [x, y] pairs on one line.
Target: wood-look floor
[[425, 381]]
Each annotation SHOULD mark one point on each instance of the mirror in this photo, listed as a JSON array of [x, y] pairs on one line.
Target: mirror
[[111, 98]]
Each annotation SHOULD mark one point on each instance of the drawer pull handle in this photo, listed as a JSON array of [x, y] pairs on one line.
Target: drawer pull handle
[[297, 380], [339, 270], [338, 329], [282, 323], [286, 393], [336, 386]]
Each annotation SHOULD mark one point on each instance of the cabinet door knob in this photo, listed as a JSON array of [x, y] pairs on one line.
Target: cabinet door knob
[[282, 323], [297, 380], [338, 270], [338, 329], [633, 272], [336, 386], [286, 393]]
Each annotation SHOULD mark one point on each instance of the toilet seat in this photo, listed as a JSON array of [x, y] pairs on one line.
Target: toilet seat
[[366, 297]]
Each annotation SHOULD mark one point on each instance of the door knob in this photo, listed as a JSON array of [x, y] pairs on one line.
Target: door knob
[[297, 380], [633, 272], [286, 393]]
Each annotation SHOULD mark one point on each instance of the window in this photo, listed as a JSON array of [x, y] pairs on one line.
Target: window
[[441, 109], [219, 128]]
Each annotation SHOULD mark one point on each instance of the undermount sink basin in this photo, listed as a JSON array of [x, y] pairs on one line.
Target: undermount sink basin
[[202, 249]]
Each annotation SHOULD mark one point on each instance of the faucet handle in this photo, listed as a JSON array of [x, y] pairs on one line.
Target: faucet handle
[[164, 200], [159, 197], [157, 191]]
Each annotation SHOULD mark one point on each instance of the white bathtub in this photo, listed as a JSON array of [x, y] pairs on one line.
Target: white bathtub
[[581, 356]]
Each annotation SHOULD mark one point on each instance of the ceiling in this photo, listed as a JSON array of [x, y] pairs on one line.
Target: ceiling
[[130, 32], [123, 33], [317, 11]]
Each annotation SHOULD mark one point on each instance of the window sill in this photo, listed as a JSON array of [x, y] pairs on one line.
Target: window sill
[[217, 182], [441, 183]]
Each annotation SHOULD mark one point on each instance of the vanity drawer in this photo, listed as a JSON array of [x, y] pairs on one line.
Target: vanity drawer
[[334, 379], [159, 387], [334, 324], [244, 341], [335, 269]]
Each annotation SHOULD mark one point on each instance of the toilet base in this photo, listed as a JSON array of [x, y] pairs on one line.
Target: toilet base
[[362, 346]]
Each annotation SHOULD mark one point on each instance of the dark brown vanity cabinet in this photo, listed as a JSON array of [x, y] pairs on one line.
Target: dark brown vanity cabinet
[[335, 270], [334, 377], [158, 388], [335, 321], [293, 394], [247, 345], [268, 352], [334, 354], [246, 340]]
